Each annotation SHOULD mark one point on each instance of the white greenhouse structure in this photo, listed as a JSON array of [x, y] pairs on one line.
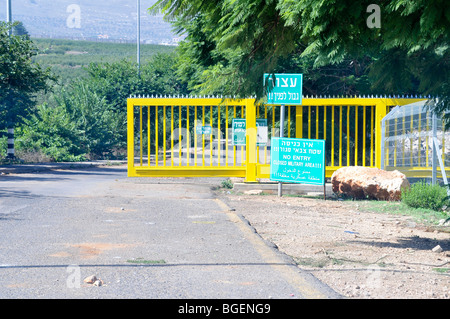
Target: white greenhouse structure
[[414, 142]]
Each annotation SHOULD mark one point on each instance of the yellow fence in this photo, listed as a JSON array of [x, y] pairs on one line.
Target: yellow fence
[[193, 136]]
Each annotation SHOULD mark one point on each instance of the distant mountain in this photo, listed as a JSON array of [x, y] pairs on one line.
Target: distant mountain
[[101, 20]]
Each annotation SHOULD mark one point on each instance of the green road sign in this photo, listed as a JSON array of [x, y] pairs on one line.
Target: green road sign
[[239, 132], [284, 88], [203, 130], [297, 160]]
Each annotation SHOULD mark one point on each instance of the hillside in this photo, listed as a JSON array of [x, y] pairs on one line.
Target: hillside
[[68, 57]]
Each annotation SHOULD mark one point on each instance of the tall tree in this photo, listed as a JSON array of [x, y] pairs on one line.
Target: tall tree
[[20, 78], [405, 51]]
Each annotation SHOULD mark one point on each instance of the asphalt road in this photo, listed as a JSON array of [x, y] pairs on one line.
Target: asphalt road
[[143, 238]]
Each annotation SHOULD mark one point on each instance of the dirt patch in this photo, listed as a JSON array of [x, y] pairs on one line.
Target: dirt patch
[[88, 250], [359, 254]]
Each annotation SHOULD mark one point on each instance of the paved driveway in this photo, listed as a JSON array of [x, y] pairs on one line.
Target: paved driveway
[[143, 238]]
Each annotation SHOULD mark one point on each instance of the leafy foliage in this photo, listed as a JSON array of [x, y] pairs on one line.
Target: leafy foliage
[[409, 54], [87, 118], [117, 81], [52, 131], [20, 78], [423, 195], [97, 125]]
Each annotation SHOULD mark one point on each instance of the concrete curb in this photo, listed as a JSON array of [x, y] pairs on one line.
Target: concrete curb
[[288, 189], [41, 167], [309, 286]]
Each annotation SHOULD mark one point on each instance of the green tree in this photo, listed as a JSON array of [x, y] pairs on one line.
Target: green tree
[[116, 82], [97, 125], [20, 78], [87, 118], [79, 126], [19, 29], [408, 54]]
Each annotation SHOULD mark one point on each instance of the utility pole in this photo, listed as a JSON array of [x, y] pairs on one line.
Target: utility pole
[[139, 37], [8, 14], [10, 151]]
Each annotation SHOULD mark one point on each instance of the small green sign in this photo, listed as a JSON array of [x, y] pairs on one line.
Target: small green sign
[[203, 130], [284, 88], [297, 160], [239, 131]]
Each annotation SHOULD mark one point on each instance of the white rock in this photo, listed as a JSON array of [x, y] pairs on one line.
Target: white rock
[[437, 249]]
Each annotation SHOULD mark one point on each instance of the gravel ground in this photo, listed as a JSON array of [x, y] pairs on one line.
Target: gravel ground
[[359, 254]]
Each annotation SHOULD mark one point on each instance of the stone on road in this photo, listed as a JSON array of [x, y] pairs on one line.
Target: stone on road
[[94, 233]]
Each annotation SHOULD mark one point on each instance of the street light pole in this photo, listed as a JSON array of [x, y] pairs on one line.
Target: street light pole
[[8, 14], [139, 36], [10, 150]]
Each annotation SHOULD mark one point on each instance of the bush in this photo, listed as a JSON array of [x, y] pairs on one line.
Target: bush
[[99, 128], [52, 133], [423, 195], [227, 184]]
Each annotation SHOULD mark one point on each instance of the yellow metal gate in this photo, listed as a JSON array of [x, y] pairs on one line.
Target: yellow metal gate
[[167, 142], [190, 136]]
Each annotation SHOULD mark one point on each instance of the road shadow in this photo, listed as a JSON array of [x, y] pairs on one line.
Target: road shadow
[[16, 194], [9, 217], [59, 174], [416, 243]]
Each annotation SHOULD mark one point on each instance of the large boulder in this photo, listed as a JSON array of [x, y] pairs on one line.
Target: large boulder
[[367, 182]]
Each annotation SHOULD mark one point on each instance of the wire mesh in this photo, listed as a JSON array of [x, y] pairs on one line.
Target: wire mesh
[[408, 133]]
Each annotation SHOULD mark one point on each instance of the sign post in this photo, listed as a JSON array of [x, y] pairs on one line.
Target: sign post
[[280, 185], [283, 89]]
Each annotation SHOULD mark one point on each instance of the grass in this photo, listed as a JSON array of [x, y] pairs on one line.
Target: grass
[[442, 270], [146, 262], [425, 195], [422, 215]]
